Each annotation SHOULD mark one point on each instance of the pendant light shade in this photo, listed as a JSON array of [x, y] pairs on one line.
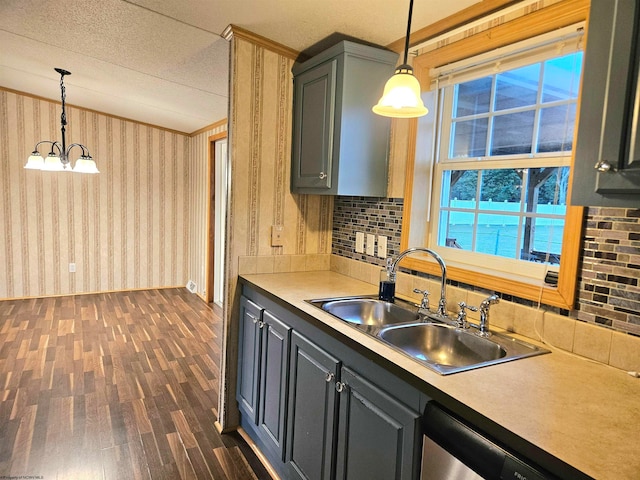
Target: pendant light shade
[[52, 163], [401, 97], [35, 162], [85, 164]]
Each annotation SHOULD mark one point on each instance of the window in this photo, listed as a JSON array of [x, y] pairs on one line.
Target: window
[[505, 147], [501, 136]]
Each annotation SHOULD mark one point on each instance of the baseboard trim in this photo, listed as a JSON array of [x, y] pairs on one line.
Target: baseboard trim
[[258, 453]]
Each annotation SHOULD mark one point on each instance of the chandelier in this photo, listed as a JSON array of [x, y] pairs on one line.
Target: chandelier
[[58, 158]]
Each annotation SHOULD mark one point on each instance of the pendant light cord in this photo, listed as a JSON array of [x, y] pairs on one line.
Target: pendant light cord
[[406, 41]]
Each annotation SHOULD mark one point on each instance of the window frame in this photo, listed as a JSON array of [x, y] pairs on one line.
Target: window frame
[[543, 21]]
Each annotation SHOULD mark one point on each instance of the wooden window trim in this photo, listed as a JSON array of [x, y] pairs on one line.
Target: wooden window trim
[[542, 21]]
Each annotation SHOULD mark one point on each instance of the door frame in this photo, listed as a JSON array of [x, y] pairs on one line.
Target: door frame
[[211, 218]]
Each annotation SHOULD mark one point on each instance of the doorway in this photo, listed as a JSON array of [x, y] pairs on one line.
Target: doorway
[[217, 205]]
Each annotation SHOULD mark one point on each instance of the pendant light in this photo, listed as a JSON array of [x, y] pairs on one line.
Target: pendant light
[[401, 97]]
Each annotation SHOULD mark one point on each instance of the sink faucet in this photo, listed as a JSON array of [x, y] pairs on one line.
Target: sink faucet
[[483, 327], [392, 267]]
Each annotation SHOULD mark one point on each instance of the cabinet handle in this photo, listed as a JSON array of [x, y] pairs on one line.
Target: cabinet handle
[[323, 175], [260, 324], [254, 319], [330, 376], [603, 166], [340, 387]]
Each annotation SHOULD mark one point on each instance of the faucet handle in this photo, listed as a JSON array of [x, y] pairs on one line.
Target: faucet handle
[[424, 304], [461, 320]]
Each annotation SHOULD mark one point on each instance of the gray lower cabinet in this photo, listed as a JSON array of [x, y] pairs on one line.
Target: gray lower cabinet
[[249, 360], [607, 153], [377, 434], [263, 368], [310, 409]]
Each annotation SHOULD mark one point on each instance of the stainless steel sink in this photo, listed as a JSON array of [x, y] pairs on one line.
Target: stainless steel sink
[[429, 339], [447, 349], [368, 311]]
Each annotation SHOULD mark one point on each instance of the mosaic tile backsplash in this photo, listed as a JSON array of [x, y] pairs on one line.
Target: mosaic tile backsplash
[[609, 280]]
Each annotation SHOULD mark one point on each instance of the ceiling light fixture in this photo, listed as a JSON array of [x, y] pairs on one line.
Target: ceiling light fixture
[[58, 158], [401, 97]]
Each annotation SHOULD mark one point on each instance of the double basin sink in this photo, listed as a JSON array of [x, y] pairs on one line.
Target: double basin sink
[[431, 340]]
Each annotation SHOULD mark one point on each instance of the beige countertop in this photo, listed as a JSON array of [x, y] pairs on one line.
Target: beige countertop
[[584, 413]]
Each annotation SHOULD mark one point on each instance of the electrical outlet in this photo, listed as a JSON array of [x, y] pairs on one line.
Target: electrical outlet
[[72, 268], [277, 235], [371, 244], [382, 246], [359, 242]]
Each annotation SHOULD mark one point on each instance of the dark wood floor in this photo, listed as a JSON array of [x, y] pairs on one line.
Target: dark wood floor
[[114, 386]]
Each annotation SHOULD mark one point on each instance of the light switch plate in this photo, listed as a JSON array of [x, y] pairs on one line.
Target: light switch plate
[[382, 246], [359, 242], [371, 244]]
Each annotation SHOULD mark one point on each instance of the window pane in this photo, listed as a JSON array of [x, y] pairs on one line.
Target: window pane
[[513, 133], [504, 185], [497, 235], [469, 138], [545, 244], [556, 128], [547, 190], [517, 88], [473, 97], [561, 79], [463, 187], [459, 229]]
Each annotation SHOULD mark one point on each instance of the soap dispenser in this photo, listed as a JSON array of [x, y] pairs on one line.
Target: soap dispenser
[[387, 289]]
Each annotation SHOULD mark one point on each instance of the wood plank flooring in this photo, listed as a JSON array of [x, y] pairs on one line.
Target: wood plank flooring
[[114, 386]]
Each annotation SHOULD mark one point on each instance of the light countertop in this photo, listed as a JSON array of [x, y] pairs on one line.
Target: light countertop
[[584, 413]]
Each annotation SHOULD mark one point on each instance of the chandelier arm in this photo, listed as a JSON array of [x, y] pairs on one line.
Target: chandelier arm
[[85, 150], [35, 149]]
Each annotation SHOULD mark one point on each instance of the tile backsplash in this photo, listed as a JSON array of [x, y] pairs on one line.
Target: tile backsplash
[[609, 279]]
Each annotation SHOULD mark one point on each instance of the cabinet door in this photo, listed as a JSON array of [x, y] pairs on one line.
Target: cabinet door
[[311, 410], [249, 358], [607, 154], [377, 436], [314, 111], [273, 381]]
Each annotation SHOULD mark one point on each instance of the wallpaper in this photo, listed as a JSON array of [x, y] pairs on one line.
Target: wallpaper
[[128, 227]]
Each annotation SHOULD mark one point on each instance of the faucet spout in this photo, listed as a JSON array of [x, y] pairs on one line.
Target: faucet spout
[[392, 267]]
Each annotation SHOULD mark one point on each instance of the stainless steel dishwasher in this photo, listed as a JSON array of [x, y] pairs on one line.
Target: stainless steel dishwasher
[[453, 450]]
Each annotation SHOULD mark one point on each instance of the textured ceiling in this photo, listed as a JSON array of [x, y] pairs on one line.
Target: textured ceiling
[[164, 62]]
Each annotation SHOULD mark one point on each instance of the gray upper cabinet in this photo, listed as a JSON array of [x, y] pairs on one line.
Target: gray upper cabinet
[[607, 154], [340, 147]]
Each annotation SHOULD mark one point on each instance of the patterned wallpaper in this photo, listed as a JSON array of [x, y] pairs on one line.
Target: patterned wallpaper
[[125, 228], [609, 281]]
